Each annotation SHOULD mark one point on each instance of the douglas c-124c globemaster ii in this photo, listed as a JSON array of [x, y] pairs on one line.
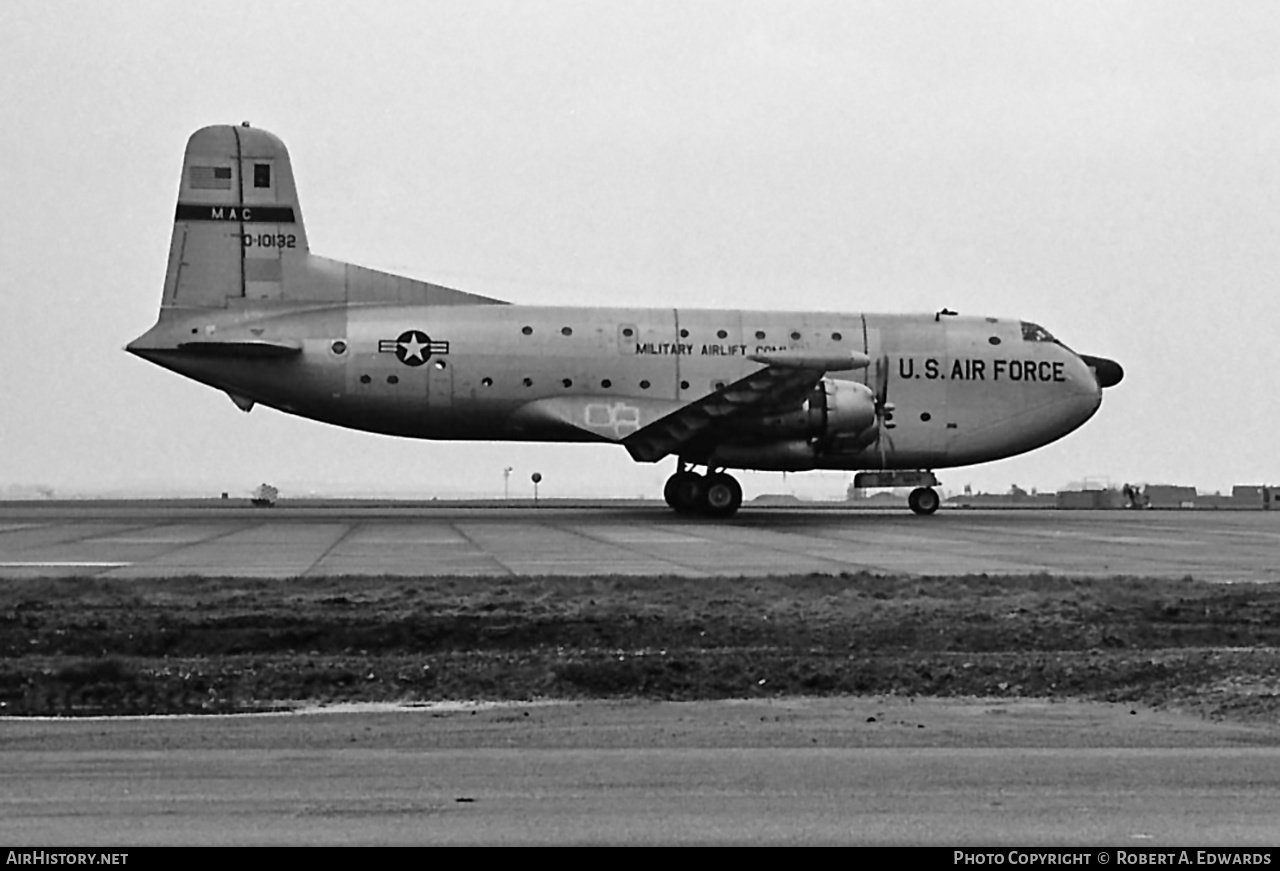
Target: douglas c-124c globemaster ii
[[248, 309]]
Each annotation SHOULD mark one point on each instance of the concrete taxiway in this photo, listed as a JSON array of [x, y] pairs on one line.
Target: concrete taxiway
[[777, 771], [163, 539]]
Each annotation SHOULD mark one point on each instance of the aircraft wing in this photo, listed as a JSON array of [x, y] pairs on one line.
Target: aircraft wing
[[786, 380]]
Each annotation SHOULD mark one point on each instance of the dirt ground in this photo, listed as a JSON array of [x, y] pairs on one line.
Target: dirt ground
[[73, 647]]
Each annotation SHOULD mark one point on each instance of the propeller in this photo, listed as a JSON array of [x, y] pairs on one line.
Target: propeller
[[884, 408]]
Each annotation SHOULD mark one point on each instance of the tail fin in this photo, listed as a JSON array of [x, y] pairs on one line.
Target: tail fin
[[238, 235], [238, 228]]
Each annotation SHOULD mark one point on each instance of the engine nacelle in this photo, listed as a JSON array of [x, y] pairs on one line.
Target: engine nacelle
[[793, 441], [850, 406], [834, 407]]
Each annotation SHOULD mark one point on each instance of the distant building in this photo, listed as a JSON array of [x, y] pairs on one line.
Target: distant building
[[1078, 499], [1170, 496], [1015, 498], [1255, 496]]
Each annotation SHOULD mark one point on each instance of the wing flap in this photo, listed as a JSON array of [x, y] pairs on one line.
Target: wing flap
[[769, 389]]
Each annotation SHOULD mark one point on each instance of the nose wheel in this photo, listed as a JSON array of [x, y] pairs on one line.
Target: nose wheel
[[712, 495], [923, 500]]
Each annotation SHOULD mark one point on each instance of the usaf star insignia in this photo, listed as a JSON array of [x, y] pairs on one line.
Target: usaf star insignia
[[412, 347]]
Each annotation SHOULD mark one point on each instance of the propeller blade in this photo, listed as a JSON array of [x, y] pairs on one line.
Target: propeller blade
[[882, 381], [882, 405]]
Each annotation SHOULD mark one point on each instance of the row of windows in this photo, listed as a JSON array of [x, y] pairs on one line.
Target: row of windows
[[629, 332], [528, 382], [340, 347], [1030, 332]]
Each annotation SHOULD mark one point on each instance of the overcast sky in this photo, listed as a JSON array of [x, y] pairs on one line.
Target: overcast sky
[[1110, 170]]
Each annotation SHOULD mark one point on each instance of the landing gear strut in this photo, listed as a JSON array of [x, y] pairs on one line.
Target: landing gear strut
[[715, 494]]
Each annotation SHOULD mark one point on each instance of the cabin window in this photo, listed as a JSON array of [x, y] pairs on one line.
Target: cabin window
[[836, 337], [628, 332], [528, 331], [566, 331], [528, 382], [795, 336], [393, 379], [995, 340], [644, 385], [721, 334], [486, 382], [262, 175], [684, 385], [338, 347], [606, 383], [440, 364], [760, 335], [365, 379], [684, 334], [926, 416], [568, 382]]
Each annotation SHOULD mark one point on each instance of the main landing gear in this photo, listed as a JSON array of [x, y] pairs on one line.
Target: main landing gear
[[714, 494]]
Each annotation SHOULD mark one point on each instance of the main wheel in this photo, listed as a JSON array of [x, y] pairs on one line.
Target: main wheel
[[924, 500], [684, 492], [723, 495]]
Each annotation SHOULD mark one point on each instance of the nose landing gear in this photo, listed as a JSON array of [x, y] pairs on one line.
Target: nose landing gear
[[714, 494], [923, 500]]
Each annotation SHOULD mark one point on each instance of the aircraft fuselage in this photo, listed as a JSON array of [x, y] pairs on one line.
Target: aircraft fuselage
[[963, 389]]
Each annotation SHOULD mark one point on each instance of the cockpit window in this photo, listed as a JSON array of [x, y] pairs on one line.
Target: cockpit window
[[1035, 333]]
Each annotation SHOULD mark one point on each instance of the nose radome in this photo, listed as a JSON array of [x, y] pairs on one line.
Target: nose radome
[[1108, 373]]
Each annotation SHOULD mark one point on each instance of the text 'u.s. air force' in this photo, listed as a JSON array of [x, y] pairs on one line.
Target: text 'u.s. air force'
[[976, 369]]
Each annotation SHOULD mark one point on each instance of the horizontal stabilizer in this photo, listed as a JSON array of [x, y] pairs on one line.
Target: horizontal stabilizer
[[790, 359], [251, 348]]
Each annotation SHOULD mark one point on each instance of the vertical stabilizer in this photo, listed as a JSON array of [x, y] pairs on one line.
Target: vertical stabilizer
[[238, 231], [238, 237]]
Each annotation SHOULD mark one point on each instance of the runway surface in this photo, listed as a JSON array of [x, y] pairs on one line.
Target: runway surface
[[789, 771], [843, 770], [162, 539]]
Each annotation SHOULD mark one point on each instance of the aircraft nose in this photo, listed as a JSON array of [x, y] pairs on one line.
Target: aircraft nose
[[1108, 373]]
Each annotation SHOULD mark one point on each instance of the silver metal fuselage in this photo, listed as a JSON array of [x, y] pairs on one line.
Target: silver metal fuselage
[[962, 390]]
